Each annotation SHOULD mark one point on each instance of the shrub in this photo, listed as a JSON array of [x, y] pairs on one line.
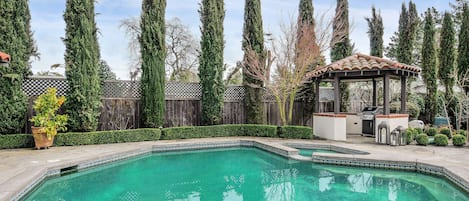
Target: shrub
[[459, 140], [412, 109], [431, 131], [296, 132], [16, 141], [219, 131], [422, 139], [463, 133], [409, 135], [441, 140], [419, 131], [446, 131]]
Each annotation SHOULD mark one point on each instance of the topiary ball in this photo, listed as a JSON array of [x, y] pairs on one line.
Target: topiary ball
[[418, 131], [441, 140], [446, 131], [463, 133], [431, 131], [459, 140], [409, 135], [422, 139]]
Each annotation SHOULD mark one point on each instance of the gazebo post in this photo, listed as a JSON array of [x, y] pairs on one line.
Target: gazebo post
[[375, 94], [386, 94], [336, 94], [403, 95], [316, 96]]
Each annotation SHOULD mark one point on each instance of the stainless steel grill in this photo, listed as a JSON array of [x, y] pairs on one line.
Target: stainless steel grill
[[369, 120]]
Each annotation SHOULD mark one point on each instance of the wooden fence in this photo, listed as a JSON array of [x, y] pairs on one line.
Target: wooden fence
[[122, 110]]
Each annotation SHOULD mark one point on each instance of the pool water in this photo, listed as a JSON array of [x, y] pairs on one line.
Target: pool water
[[309, 152], [240, 174]]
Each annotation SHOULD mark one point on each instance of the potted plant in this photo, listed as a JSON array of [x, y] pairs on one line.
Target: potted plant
[[46, 121]]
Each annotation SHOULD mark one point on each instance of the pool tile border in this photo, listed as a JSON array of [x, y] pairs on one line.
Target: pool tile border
[[283, 149]]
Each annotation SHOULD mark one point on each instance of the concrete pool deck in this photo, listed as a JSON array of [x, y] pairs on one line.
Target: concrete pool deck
[[20, 169]]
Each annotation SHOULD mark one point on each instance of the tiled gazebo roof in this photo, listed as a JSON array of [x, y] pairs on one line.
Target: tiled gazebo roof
[[362, 62], [4, 58]]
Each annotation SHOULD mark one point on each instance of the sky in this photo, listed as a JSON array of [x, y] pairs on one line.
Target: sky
[[49, 27]]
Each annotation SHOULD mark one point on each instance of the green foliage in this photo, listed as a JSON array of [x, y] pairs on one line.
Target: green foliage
[[459, 140], [431, 131], [462, 132], [46, 107], [107, 137], [441, 140], [87, 138], [422, 139], [447, 55], [219, 131], [295, 132], [463, 49], [429, 67], [17, 41], [105, 72], [410, 134], [407, 31], [211, 66], [153, 53], [419, 130], [82, 65], [253, 39], [446, 131], [16, 141], [412, 109], [375, 32]]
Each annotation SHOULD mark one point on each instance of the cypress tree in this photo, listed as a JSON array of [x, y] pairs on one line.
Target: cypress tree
[[446, 63], [463, 49], [212, 14], [447, 55], [375, 32], [429, 67], [341, 47], [407, 31], [16, 40], [253, 39], [153, 53], [82, 65]]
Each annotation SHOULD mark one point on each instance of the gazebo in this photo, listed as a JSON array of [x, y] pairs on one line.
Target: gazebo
[[359, 67]]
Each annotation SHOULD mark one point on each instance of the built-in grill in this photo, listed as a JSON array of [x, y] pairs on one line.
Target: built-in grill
[[369, 120]]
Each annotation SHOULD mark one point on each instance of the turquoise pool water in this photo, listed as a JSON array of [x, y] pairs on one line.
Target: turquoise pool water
[[240, 174], [309, 152]]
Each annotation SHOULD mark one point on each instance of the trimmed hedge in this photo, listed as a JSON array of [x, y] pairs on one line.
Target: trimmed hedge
[[16, 141], [219, 131], [446, 131], [107, 137], [295, 132], [86, 138], [422, 139], [431, 131], [463, 133], [441, 140], [459, 140], [410, 134]]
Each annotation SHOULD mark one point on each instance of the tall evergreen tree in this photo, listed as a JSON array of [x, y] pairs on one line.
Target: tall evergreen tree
[[375, 32], [15, 39], [153, 53], [212, 14], [463, 49], [82, 65], [429, 67], [253, 39], [447, 54], [341, 47], [408, 26]]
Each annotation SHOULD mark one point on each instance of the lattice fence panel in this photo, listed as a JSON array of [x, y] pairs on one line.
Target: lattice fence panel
[[37, 86], [34, 86]]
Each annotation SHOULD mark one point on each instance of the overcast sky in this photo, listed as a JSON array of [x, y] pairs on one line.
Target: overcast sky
[[48, 24]]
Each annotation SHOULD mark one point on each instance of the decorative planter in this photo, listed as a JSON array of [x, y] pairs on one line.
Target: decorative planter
[[40, 138]]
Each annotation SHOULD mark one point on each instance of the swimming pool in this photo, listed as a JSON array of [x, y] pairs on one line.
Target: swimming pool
[[309, 152], [240, 174]]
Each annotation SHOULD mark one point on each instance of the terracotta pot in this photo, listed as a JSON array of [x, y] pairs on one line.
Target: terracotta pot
[[40, 138]]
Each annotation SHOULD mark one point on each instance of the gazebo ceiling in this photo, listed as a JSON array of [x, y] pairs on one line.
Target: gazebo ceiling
[[363, 66]]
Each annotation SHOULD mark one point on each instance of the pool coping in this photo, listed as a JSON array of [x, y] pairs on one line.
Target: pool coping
[[356, 159]]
